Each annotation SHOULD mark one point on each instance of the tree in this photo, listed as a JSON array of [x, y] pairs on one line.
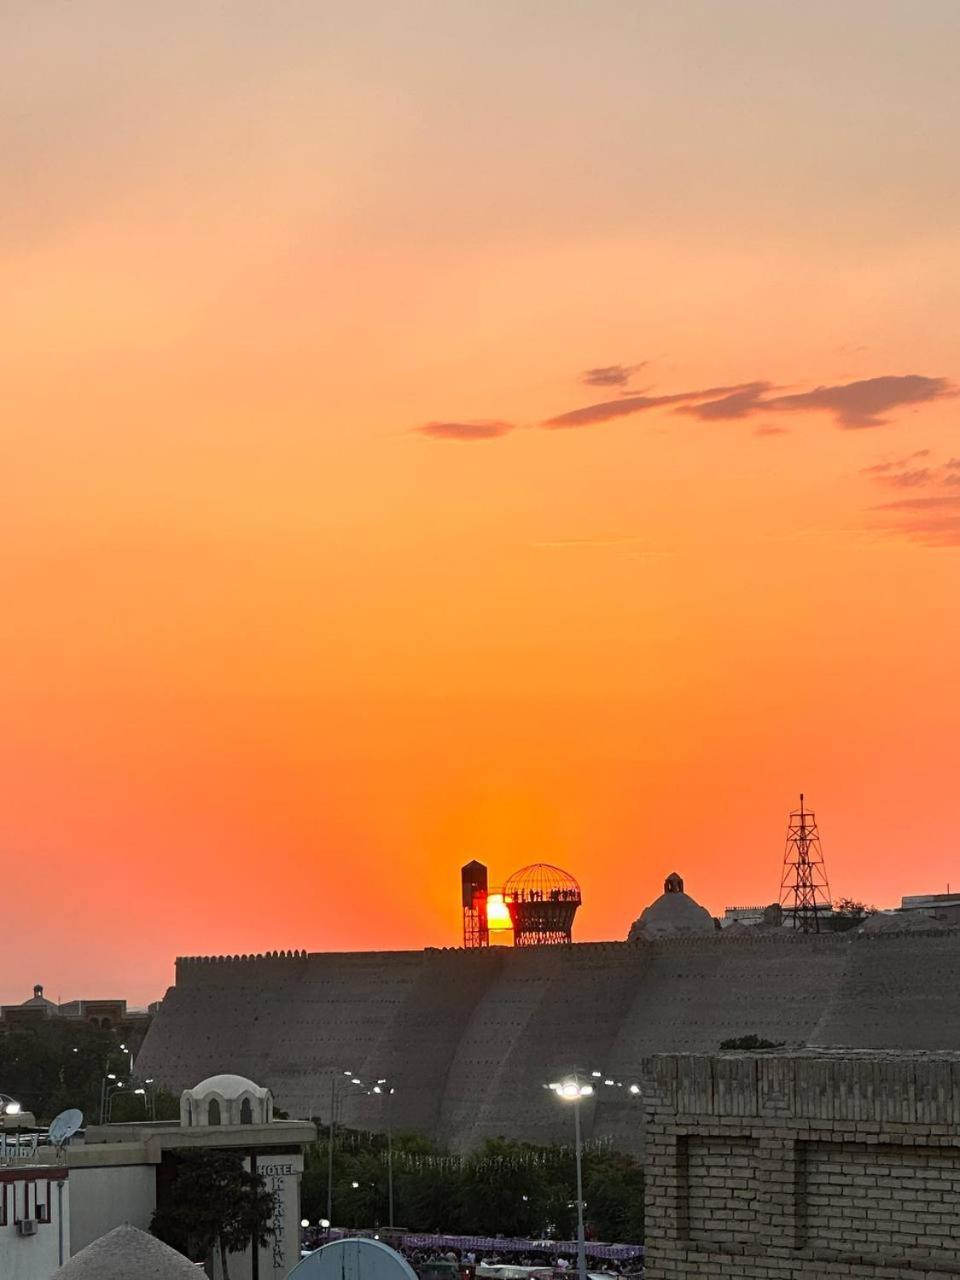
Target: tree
[[503, 1187], [751, 1042], [849, 912], [214, 1205]]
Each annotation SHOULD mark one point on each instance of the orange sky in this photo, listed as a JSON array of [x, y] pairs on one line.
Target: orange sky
[[304, 605]]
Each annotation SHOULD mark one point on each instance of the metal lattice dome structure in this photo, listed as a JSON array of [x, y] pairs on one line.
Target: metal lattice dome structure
[[542, 901]]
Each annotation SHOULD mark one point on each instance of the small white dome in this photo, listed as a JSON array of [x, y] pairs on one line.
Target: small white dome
[[225, 1099], [227, 1086]]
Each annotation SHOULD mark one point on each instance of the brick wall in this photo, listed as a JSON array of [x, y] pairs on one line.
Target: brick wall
[[814, 1164]]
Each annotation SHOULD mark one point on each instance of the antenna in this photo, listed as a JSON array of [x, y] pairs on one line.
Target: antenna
[[804, 891], [63, 1127]]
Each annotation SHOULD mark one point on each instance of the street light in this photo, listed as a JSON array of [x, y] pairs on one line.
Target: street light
[[111, 1094], [382, 1089], [112, 1075], [386, 1091], [574, 1088]]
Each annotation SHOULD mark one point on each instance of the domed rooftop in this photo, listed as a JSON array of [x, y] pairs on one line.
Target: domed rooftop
[[674, 914], [126, 1253], [227, 1086], [544, 879]]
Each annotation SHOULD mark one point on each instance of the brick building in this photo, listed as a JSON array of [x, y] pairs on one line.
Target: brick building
[[817, 1163]]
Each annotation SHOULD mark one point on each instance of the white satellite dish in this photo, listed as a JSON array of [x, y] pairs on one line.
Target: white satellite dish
[[356, 1258], [63, 1127]]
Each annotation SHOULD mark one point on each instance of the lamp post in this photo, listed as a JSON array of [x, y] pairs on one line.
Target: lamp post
[[384, 1090], [103, 1095], [387, 1091], [333, 1113], [573, 1089], [111, 1094]]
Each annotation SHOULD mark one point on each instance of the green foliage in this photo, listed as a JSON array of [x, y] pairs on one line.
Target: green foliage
[[751, 1042], [61, 1063], [504, 1187], [58, 1064], [850, 912], [213, 1204]]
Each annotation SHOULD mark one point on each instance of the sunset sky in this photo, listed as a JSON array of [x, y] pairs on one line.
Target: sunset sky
[[519, 429]]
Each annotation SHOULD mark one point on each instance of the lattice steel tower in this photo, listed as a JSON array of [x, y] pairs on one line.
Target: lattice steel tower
[[804, 890]]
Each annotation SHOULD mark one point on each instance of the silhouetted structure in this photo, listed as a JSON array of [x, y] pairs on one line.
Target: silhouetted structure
[[542, 901], [473, 881], [804, 891]]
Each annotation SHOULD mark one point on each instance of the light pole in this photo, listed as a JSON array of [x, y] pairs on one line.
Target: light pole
[[573, 1089], [387, 1091], [111, 1094], [103, 1095], [333, 1114]]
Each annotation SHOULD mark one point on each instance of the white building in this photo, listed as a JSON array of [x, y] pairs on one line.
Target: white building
[[117, 1173], [34, 1221]]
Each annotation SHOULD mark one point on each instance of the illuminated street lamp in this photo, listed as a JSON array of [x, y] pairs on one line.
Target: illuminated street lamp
[[104, 1086], [574, 1088]]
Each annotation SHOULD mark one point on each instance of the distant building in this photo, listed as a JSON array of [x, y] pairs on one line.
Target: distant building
[[108, 1015], [673, 914], [942, 906], [52, 1205]]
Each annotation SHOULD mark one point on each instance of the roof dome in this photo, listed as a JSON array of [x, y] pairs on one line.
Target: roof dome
[[542, 878], [226, 1099], [227, 1086], [126, 1253], [674, 914]]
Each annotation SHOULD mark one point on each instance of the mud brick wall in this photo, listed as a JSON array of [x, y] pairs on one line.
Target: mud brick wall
[[819, 1163]]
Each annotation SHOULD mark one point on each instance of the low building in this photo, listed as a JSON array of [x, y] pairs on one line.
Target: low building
[[108, 1015], [803, 1166], [120, 1173], [34, 1219]]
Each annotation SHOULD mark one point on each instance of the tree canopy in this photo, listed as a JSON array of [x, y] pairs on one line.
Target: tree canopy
[[505, 1187], [213, 1204]]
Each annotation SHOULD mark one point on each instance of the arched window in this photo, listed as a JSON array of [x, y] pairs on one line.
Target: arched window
[[189, 1111], [213, 1112], [246, 1112]]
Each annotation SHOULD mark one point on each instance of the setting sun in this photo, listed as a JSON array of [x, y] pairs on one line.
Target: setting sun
[[498, 914]]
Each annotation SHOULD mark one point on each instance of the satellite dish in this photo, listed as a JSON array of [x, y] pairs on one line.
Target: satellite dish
[[63, 1127], [356, 1258]]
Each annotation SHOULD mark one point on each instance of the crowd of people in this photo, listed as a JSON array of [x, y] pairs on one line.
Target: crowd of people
[[475, 1264]]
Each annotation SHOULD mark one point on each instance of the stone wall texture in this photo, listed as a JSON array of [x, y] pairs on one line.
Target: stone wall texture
[[468, 1037], [815, 1164]]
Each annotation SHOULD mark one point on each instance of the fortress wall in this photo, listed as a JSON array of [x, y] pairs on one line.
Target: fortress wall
[[552, 1010], [898, 991], [470, 1037], [417, 1046]]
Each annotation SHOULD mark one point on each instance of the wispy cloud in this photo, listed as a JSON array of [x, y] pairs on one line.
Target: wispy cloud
[[906, 479], [611, 375], [861, 404], [771, 429], [740, 403], [933, 519], [852, 404], [606, 410], [485, 430], [895, 464]]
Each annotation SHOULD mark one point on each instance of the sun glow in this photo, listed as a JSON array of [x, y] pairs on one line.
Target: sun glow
[[498, 915]]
